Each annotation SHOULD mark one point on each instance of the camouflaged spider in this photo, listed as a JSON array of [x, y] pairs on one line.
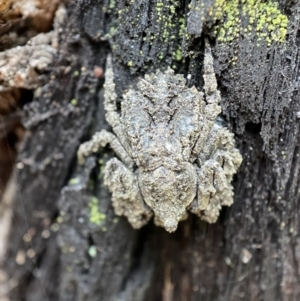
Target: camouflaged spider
[[174, 155]]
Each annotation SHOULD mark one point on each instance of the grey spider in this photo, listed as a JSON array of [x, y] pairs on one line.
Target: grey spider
[[174, 155]]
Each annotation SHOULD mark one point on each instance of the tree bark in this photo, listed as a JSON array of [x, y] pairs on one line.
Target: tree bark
[[251, 253]]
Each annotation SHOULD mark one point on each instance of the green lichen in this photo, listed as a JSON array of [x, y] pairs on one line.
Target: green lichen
[[76, 73], [162, 37], [96, 217], [112, 4], [74, 181], [166, 14], [178, 54], [101, 168], [59, 219], [74, 102], [248, 18], [92, 251]]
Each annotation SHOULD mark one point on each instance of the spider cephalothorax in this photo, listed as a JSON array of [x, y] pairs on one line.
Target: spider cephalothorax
[[174, 155]]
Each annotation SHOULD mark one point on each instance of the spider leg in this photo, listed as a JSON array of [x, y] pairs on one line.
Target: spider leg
[[218, 161], [212, 187], [101, 139], [126, 197], [110, 105], [220, 146], [212, 97]]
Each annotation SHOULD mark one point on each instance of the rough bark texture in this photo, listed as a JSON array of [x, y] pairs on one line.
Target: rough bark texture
[[251, 253]]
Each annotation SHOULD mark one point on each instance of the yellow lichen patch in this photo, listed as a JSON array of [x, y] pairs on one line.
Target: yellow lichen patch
[[96, 217], [178, 53], [249, 18], [166, 17]]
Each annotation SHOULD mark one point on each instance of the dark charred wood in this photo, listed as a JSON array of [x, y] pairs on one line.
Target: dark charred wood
[[251, 253]]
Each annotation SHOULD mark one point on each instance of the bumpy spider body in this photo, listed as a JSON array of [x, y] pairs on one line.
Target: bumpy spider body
[[174, 156]]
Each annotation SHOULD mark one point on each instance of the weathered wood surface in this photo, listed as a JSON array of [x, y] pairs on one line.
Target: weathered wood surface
[[251, 253]]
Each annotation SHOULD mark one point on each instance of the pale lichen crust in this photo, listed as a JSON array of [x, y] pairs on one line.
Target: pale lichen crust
[[247, 18], [174, 156], [23, 66]]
